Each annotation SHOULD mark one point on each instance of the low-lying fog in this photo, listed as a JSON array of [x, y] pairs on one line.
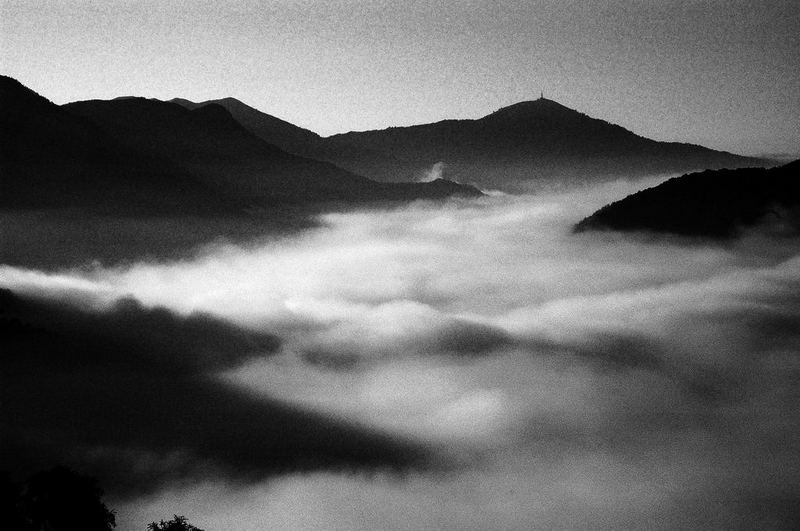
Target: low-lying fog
[[551, 380]]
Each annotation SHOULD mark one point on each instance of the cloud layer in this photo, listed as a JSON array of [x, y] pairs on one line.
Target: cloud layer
[[481, 366]]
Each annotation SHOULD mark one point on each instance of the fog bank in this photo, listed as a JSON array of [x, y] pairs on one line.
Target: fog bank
[[494, 369]]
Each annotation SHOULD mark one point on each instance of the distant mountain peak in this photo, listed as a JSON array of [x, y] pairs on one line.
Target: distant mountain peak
[[182, 102], [530, 108], [15, 97], [229, 99], [271, 129], [538, 103], [521, 147]]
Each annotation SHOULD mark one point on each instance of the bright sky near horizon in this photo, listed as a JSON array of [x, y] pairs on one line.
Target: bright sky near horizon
[[722, 73]]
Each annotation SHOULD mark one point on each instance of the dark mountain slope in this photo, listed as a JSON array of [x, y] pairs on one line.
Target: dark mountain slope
[[52, 158], [137, 156], [280, 133], [523, 144], [294, 139], [226, 156], [714, 204]]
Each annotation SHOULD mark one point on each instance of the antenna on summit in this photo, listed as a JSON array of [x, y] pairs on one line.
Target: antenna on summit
[[541, 96]]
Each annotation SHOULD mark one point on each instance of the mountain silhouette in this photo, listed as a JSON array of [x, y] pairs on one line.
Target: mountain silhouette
[[226, 156], [52, 158], [146, 156], [713, 203], [296, 140], [516, 148], [522, 146], [273, 130]]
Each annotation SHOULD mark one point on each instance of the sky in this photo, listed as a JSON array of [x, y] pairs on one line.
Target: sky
[[722, 73]]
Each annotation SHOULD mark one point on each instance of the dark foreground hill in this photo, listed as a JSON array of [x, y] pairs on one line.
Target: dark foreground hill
[[77, 379], [716, 204], [147, 156]]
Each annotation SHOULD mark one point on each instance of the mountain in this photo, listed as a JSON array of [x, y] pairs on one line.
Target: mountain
[[521, 146], [216, 149], [146, 156], [224, 155], [516, 148], [294, 139], [713, 203], [280, 133], [53, 158]]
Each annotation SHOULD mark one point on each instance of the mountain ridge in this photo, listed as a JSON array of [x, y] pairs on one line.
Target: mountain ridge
[[228, 149], [225, 155], [52, 158], [537, 140], [287, 136], [271, 129], [145, 156], [514, 148], [716, 204]]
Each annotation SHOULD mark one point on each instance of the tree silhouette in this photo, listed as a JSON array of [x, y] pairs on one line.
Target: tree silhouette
[[60, 499], [10, 503], [178, 523]]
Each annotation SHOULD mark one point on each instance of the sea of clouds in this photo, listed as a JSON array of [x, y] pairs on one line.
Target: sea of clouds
[[467, 365]]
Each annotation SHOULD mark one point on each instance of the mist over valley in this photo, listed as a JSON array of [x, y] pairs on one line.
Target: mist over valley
[[399, 265]]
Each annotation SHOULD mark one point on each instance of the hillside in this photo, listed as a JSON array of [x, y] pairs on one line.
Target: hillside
[[224, 155], [52, 158], [133, 155], [280, 133], [521, 146], [716, 204], [517, 148], [296, 140]]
